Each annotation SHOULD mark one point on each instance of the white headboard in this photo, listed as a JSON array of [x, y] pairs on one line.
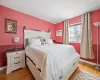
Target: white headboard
[[28, 34]]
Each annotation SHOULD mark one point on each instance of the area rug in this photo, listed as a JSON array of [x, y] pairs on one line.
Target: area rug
[[83, 75]]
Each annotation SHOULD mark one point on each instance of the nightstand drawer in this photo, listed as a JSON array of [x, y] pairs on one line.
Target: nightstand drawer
[[16, 57], [15, 61], [16, 65], [14, 53], [17, 53]]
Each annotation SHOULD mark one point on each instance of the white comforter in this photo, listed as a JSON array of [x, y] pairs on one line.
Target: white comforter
[[53, 60]]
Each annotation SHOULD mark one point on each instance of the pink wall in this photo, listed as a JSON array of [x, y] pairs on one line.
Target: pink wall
[[75, 20], [22, 20], [95, 16], [59, 26]]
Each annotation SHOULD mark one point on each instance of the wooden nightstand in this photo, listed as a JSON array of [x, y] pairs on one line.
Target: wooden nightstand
[[15, 60]]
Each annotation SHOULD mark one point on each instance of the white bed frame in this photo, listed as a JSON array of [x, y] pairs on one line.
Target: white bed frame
[[35, 72]]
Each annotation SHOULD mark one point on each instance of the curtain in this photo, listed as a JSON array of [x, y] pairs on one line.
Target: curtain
[[86, 42], [65, 34]]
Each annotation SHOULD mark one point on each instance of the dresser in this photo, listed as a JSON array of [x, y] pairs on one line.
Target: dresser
[[15, 60]]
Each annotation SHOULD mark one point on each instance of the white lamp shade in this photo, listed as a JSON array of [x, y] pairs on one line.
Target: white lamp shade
[[97, 24], [16, 39]]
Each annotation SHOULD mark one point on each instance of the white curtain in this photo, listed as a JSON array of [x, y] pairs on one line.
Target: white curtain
[[86, 42], [66, 32]]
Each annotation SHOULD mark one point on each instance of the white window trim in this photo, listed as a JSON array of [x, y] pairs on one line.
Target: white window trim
[[69, 32]]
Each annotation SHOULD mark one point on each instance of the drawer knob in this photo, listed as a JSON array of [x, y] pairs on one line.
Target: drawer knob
[[17, 63], [16, 53], [16, 57]]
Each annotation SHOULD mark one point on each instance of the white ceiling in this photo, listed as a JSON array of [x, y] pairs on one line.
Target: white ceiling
[[53, 11]]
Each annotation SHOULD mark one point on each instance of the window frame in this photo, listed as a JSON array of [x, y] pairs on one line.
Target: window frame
[[79, 23]]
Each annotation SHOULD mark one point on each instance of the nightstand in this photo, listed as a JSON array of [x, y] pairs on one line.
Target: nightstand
[[15, 60]]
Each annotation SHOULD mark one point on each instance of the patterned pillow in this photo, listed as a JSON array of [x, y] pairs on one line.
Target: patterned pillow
[[43, 41]]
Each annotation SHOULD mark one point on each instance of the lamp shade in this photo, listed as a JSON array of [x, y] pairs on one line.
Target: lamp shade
[[97, 24], [16, 39]]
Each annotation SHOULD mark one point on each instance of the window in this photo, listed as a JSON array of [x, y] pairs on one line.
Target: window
[[75, 32]]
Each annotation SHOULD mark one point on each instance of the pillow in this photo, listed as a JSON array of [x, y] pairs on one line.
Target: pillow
[[43, 41], [49, 41], [35, 41]]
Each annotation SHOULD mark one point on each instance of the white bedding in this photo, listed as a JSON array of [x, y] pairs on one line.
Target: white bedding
[[53, 60]]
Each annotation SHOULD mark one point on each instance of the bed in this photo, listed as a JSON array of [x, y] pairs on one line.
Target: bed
[[49, 62]]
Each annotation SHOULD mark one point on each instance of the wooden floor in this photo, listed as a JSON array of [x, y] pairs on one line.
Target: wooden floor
[[24, 74]]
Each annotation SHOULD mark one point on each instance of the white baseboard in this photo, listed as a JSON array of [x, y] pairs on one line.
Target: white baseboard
[[88, 62], [2, 68]]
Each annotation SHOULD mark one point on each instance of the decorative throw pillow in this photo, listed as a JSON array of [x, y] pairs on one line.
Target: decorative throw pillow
[[43, 41]]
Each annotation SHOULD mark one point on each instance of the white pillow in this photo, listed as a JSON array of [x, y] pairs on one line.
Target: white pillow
[[35, 42], [49, 41]]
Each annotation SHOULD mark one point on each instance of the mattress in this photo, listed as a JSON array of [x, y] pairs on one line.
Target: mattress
[[61, 58]]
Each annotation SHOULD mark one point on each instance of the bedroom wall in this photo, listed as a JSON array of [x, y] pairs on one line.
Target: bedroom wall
[[22, 20], [59, 26], [95, 16]]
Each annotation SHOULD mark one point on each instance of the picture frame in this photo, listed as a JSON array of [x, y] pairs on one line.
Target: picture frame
[[10, 26]]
